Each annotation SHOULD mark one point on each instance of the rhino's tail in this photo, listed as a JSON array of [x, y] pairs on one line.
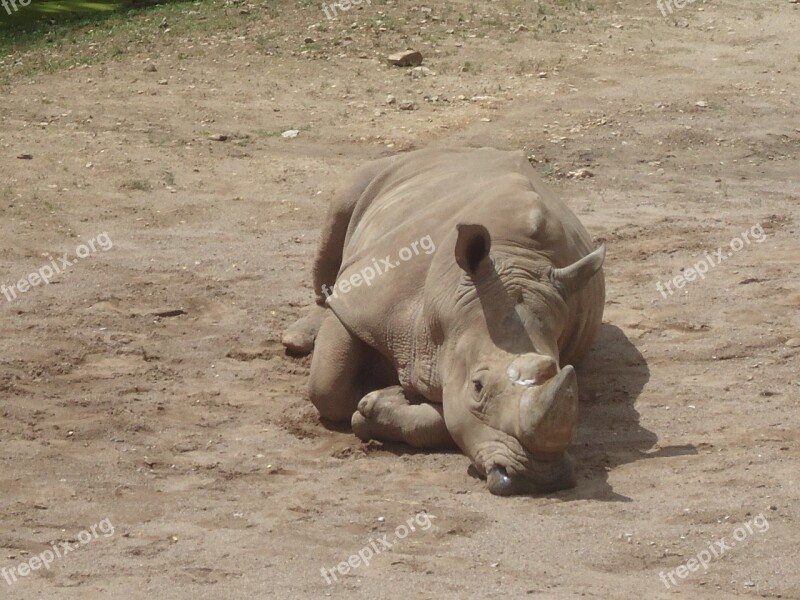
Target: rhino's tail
[[299, 337], [337, 222]]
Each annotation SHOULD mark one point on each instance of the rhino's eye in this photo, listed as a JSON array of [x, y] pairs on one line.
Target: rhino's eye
[[479, 378]]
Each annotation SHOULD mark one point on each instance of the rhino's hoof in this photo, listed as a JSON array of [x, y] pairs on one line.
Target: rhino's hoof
[[296, 348], [382, 405], [298, 341], [361, 427], [366, 406]]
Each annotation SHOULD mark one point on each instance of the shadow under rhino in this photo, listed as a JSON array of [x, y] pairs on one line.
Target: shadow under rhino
[[611, 379]]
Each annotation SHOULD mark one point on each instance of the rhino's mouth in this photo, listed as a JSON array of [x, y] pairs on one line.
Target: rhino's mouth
[[511, 470], [541, 477]]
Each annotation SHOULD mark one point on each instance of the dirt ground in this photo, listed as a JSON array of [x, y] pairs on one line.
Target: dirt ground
[[147, 385]]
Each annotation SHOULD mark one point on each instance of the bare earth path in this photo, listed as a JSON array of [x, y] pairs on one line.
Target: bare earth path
[[146, 384]]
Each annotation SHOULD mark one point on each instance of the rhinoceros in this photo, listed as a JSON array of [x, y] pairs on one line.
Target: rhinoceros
[[453, 293]]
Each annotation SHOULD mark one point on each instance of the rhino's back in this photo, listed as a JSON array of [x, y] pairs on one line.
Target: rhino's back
[[427, 193]]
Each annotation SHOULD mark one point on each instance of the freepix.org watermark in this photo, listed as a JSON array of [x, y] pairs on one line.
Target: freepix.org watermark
[[343, 5], [666, 6], [11, 5], [46, 558], [699, 269], [375, 547], [47, 272], [369, 273], [715, 550]]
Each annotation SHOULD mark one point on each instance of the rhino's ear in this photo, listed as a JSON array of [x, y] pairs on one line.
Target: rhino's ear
[[472, 246], [572, 278]]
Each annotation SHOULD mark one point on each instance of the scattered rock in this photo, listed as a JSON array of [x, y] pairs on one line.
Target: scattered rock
[[163, 81], [308, 40], [150, 68], [218, 137], [793, 343], [391, 99], [187, 446], [25, 156], [408, 105], [409, 58], [580, 174], [542, 75], [701, 104], [290, 133], [520, 28]]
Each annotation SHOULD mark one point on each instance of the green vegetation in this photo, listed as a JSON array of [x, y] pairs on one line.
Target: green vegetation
[[59, 34], [17, 14], [14, 13], [44, 23]]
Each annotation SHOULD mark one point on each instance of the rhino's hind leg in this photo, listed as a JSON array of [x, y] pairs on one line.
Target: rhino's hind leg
[[299, 338], [387, 416], [342, 371]]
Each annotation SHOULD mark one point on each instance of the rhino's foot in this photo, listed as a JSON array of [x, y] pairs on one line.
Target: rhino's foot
[[387, 416], [299, 338]]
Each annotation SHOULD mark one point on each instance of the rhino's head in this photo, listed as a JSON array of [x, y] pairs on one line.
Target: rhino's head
[[507, 403]]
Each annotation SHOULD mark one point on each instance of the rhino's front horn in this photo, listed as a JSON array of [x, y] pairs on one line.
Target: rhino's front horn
[[569, 280], [549, 415]]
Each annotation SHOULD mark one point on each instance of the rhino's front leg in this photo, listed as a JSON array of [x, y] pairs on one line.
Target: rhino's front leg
[[387, 416]]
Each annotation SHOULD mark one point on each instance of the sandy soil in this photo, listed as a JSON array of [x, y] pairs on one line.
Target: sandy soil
[[147, 385]]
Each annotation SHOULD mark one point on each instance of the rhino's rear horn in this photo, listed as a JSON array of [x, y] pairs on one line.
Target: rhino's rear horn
[[572, 278], [472, 246]]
